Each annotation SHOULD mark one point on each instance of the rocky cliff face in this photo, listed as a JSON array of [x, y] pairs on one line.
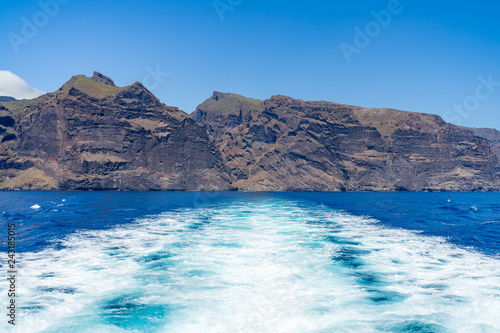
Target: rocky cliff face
[[92, 135], [492, 136], [283, 144]]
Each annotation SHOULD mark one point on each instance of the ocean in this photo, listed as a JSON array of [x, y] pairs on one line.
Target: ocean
[[251, 262]]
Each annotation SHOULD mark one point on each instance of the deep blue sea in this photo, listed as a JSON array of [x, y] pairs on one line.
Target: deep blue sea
[[253, 262]]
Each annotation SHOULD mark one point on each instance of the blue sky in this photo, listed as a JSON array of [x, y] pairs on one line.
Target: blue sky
[[426, 56]]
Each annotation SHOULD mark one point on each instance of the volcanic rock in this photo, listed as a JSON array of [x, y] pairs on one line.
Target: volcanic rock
[[98, 77], [92, 135], [285, 144]]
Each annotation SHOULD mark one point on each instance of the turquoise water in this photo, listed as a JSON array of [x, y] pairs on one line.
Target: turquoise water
[[195, 262]]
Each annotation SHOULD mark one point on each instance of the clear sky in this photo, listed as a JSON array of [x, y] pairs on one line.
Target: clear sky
[[440, 57]]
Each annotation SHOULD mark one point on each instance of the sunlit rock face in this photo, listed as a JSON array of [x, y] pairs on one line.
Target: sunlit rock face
[[284, 144]]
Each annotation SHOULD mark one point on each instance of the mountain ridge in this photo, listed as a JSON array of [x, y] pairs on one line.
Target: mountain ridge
[[92, 135], [7, 99]]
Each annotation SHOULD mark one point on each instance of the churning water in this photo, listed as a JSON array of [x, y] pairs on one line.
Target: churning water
[[194, 262]]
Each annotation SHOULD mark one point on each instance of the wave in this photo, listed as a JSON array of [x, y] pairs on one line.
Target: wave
[[271, 265]]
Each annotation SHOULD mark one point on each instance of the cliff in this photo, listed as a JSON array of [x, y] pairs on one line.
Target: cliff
[[92, 135], [492, 136], [284, 144]]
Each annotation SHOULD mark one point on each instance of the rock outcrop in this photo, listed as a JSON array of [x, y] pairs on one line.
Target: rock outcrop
[[284, 144], [492, 136], [98, 77], [92, 135]]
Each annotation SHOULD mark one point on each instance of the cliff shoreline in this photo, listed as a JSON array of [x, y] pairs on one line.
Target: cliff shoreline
[[91, 135]]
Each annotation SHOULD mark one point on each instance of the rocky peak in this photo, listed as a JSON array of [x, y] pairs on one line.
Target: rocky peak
[[98, 77], [229, 103], [79, 84], [216, 95], [139, 92], [279, 100]]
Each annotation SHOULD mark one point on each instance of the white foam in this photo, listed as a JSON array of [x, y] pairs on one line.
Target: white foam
[[260, 266], [36, 206]]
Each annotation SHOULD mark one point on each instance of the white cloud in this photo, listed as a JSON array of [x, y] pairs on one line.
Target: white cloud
[[13, 86]]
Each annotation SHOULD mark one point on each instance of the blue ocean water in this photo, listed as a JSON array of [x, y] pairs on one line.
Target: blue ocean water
[[254, 262]]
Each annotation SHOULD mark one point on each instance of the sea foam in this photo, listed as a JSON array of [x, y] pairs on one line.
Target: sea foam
[[266, 265]]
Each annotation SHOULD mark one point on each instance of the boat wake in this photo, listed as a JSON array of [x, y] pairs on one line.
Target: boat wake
[[262, 265]]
